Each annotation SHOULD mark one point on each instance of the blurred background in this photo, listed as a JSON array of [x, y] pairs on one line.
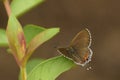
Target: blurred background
[[101, 17]]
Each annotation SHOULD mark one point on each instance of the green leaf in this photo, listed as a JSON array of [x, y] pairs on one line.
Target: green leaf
[[40, 39], [19, 7], [31, 31], [3, 38], [50, 69], [15, 37], [31, 65]]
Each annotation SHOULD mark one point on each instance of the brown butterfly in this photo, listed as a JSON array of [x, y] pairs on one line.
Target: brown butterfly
[[79, 50]]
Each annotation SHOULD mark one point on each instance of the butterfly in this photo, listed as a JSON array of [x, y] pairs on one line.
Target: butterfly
[[79, 49]]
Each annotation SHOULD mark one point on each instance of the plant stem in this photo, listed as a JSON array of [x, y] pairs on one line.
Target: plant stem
[[23, 73], [21, 65], [7, 6]]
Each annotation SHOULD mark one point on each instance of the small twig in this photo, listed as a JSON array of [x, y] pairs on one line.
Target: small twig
[[7, 7]]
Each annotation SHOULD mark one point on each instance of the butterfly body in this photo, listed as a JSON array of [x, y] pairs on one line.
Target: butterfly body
[[79, 50]]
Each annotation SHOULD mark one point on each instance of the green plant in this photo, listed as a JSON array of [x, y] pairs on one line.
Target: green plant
[[22, 44]]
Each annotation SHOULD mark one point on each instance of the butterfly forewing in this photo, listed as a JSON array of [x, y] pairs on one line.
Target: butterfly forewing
[[82, 39]]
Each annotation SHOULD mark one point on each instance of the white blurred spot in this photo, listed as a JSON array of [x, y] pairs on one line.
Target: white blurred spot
[[89, 68]]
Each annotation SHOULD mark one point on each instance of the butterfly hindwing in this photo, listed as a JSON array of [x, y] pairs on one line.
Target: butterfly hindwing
[[83, 56]]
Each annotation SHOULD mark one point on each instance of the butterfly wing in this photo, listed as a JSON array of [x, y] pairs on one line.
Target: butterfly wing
[[82, 39], [65, 52], [82, 56], [80, 44], [72, 54]]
